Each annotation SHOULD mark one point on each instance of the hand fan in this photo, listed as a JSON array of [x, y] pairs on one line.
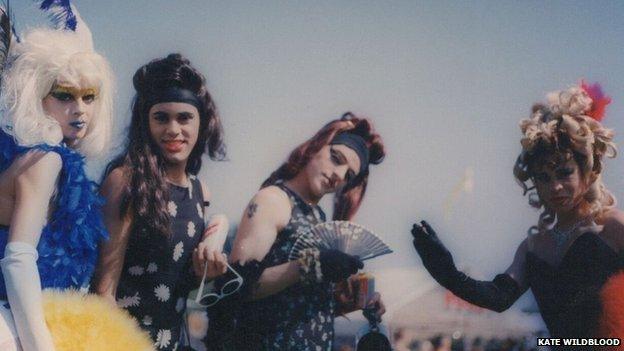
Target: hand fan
[[348, 237]]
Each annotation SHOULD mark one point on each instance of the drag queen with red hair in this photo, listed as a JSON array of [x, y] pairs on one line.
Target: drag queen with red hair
[[289, 305], [578, 241]]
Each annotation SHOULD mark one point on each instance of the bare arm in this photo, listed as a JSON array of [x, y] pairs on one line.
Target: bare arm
[[36, 179], [209, 252], [112, 252], [34, 187], [267, 213]]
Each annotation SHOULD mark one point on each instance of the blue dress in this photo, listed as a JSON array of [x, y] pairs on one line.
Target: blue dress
[[68, 246]]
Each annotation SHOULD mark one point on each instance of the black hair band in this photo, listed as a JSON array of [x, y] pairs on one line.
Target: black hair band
[[357, 144], [175, 94]]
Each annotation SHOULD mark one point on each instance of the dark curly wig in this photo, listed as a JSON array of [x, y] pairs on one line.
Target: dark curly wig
[[145, 194]]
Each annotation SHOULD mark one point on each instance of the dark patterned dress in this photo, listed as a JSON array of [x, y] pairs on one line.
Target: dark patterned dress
[[154, 284], [300, 317]]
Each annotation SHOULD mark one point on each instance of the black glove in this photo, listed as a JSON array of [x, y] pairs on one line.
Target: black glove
[[337, 266], [497, 295], [436, 258]]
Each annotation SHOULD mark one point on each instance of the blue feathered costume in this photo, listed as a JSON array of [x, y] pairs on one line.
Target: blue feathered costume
[[69, 242]]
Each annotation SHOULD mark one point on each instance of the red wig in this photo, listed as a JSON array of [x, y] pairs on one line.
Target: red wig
[[348, 199]]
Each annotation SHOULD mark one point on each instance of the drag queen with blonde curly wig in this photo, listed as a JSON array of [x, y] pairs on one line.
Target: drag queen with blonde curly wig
[[577, 243], [56, 100]]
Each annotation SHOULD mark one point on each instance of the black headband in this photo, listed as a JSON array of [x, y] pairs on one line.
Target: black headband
[[175, 94], [357, 144]]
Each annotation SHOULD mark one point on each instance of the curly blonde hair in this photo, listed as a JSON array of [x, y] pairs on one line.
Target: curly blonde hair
[[563, 127]]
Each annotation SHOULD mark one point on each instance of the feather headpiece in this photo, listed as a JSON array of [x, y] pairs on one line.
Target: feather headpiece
[[6, 34], [63, 15], [599, 100]]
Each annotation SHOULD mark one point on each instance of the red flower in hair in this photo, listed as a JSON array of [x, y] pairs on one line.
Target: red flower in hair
[[599, 100]]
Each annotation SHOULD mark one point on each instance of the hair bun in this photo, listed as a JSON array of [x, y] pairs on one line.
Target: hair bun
[[173, 70], [138, 80]]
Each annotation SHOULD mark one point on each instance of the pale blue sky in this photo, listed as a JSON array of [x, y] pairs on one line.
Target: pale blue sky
[[445, 83]]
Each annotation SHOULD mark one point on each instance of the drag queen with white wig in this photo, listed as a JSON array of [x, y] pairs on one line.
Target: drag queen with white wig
[[572, 257], [56, 100]]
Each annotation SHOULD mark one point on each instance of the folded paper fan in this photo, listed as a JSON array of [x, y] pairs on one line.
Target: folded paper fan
[[348, 237]]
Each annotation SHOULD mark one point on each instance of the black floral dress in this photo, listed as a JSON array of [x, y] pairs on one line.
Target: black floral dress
[[300, 317], [154, 284]]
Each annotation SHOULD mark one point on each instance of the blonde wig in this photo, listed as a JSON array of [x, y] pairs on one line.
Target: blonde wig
[[568, 126], [43, 58]]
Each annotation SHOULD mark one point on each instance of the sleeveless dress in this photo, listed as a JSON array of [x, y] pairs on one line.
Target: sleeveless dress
[[68, 246], [155, 283], [569, 295], [300, 317]]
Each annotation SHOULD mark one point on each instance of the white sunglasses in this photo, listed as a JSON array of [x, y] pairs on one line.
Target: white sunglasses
[[210, 299]]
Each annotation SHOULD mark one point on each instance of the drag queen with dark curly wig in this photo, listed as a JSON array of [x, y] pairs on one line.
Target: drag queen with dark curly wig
[[155, 202], [577, 243]]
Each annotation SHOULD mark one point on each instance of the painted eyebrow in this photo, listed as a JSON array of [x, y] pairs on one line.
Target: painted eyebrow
[[186, 114], [343, 159]]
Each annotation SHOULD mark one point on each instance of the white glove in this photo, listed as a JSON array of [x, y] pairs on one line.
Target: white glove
[[21, 277]]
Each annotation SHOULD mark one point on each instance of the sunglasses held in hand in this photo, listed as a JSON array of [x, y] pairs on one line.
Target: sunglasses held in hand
[[229, 288]]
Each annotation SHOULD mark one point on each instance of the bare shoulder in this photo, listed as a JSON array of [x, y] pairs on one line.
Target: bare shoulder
[[205, 190], [613, 231], [270, 202], [273, 196], [37, 166], [114, 183]]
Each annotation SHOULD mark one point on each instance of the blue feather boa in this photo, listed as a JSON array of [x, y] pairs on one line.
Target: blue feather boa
[[68, 247]]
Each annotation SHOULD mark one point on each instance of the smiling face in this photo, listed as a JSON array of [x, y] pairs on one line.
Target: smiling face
[[174, 127], [331, 168], [72, 107], [559, 182]]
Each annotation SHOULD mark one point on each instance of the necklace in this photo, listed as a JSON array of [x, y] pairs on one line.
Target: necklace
[[561, 236]]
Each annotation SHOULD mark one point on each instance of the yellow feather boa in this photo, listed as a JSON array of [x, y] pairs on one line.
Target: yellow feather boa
[[88, 322]]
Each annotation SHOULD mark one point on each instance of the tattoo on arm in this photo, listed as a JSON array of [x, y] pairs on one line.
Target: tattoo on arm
[[251, 209]]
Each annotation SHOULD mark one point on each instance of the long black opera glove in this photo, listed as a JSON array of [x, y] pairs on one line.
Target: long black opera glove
[[497, 295]]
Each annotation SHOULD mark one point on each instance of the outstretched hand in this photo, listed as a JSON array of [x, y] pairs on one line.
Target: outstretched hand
[[425, 237], [434, 254]]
